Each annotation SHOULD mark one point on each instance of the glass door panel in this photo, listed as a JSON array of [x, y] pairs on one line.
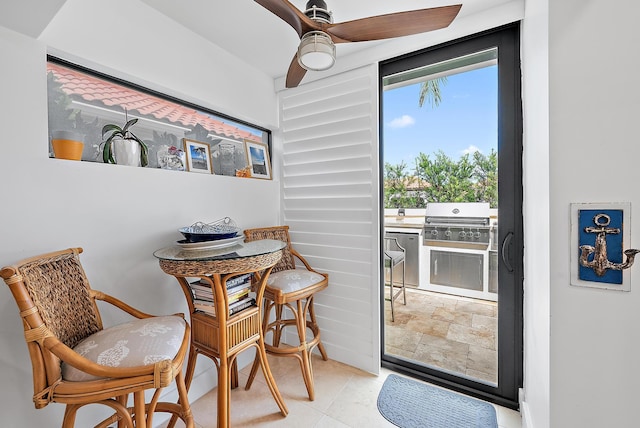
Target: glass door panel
[[443, 127]]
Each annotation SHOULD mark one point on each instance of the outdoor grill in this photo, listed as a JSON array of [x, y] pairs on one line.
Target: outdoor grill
[[461, 225], [456, 250]]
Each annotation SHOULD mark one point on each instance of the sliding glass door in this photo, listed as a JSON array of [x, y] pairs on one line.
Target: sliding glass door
[[451, 142]]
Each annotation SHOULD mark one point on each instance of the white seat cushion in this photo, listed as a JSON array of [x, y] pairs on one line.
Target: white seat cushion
[[293, 279], [136, 343]]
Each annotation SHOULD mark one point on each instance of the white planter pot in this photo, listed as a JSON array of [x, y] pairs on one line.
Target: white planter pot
[[126, 152]]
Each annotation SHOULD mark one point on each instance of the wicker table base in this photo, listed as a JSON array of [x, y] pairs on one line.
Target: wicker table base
[[223, 337]]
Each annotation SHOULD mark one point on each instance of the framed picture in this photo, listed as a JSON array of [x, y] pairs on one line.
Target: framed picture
[[258, 159], [611, 222], [198, 156]]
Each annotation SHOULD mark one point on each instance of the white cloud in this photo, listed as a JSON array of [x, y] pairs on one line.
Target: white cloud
[[402, 121], [471, 149]]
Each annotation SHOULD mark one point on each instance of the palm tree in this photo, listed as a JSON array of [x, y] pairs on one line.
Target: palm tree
[[430, 91]]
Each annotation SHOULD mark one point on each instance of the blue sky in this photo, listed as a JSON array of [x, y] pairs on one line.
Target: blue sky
[[257, 155], [465, 120]]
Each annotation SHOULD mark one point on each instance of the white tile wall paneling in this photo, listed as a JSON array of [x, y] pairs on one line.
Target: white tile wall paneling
[[329, 194]]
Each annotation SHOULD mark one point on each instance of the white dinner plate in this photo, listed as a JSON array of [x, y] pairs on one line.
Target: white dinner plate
[[208, 245]]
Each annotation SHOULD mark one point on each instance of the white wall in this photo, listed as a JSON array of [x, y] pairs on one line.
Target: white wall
[[593, 93], [534, 405], [120, 215]]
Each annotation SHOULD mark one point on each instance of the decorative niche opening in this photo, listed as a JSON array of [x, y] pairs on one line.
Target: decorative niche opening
[[179, 136]]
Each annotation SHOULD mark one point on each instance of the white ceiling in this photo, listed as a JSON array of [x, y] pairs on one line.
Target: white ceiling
[[243, 27], [257, 36]]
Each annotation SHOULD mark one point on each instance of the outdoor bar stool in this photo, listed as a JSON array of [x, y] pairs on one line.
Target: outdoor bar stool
[[293, 288], [393, 256]]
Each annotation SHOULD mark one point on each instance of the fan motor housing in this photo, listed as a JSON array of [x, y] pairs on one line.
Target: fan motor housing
[[317, 10]]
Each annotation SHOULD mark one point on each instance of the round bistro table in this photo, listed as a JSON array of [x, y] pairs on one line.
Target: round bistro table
[[221, 336]]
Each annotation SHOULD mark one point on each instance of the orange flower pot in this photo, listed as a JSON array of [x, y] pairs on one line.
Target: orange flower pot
[[67, 145]]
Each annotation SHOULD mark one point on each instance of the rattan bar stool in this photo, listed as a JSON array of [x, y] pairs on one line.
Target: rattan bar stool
[[291, 288]]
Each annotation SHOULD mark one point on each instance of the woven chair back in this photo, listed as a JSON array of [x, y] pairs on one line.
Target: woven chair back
[[52, 294], [280, 233], [59, 289]]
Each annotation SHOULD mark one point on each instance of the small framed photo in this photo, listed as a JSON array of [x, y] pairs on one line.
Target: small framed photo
[[258, 159], [198, 156]]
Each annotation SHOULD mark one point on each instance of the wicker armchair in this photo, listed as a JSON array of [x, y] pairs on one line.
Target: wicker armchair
[[293, 288], [76, 361]]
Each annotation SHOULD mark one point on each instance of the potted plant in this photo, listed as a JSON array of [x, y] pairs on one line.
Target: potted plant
[[127, 147]]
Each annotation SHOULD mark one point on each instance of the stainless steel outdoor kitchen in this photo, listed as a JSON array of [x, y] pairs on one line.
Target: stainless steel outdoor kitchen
[[450, 247]]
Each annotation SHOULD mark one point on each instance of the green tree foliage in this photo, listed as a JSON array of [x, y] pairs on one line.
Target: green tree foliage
[[438, 178], [401, 189], [485, 177], [445, 180]]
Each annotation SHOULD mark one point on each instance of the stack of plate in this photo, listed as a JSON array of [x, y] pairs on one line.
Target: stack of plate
[[219, 234]]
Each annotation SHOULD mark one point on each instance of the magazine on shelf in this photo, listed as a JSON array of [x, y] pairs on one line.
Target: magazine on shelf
[[233, 294], [199, 293], [241, 305], [240, 279], [208, 306], [205, 306], [236, 281], [200, 286], [240, 294], [207, 298], [237, 288]]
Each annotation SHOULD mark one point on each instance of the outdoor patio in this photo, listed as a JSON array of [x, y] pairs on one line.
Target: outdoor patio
[[457, 334]]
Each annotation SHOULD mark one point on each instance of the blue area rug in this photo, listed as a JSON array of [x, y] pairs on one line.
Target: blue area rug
[[408, 403]]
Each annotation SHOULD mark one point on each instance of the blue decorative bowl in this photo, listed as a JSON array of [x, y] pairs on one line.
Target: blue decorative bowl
[[224, 228], [192, 236]]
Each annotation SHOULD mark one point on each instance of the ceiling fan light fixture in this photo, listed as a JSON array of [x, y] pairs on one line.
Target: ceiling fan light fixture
[[316, 51]]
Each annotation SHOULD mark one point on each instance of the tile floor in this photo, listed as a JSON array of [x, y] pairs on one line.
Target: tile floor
[[454, 333], [345, 397]]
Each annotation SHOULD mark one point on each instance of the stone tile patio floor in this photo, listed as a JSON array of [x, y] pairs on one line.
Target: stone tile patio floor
[[454, 333]]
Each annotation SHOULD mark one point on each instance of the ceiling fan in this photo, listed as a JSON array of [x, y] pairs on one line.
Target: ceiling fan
[[318, 34]]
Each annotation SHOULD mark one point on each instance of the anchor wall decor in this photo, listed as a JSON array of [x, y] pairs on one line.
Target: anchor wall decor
[[600, 263], [600, 231]]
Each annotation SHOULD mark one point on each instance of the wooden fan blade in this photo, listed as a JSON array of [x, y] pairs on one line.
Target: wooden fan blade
[[295, 73], [290, 14], [393, 25]]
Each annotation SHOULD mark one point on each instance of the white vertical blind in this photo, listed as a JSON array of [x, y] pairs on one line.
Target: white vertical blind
[[329, 176]]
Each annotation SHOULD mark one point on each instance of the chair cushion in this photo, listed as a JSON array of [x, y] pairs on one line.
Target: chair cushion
[[396, 256], [135, 343], [293, 279]]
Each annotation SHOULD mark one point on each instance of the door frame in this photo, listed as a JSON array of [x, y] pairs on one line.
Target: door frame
[[510, 230]]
